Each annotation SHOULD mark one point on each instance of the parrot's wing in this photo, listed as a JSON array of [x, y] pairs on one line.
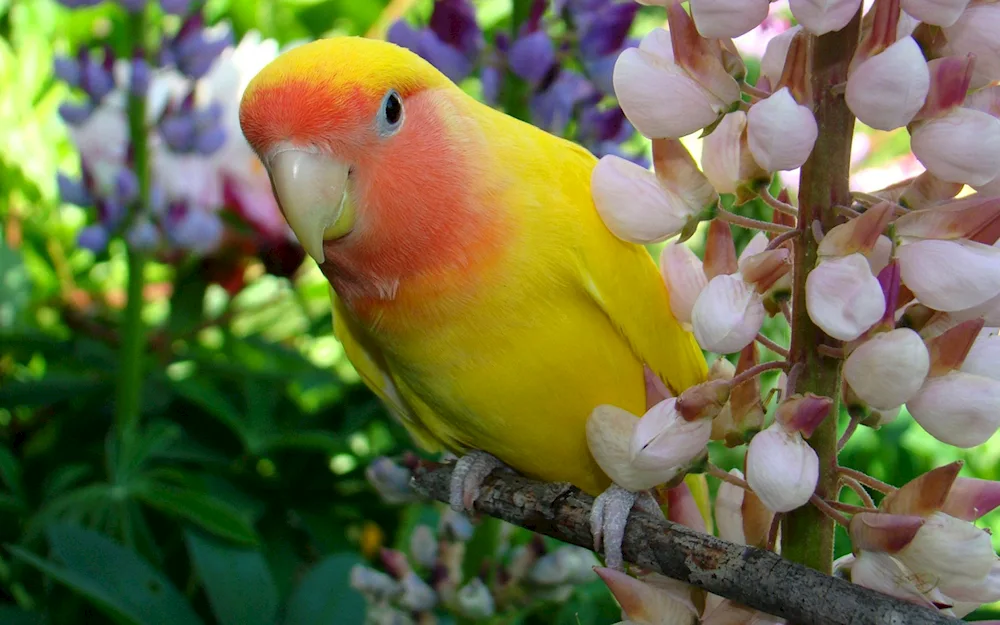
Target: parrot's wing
[[624, 281], [370, 365]]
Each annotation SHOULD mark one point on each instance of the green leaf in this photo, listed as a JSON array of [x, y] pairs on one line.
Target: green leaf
[[213, 401], [15, 285], [209, 513], [15, 616], [10, 472], [114, 579], [52, 388], [237, 580], [325, 597], [308, 440]]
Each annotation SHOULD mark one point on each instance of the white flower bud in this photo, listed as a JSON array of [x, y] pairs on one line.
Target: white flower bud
[[984, 357], [975, 32], [662, 439], [823, 16], [781, 133], [475, 600], [885, 91], [949, 554], [958, 408], [727, 19], [782, 469], [950, 275], [936, 12], [729, 510], [843, 298], [682, 271], [889, 368], [727, 315], [963, 145], [773, 63], [633, 203]]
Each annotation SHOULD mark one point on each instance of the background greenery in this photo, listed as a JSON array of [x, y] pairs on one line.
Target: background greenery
[[243, 499]]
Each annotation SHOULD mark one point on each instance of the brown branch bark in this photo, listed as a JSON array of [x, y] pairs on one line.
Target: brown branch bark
[[754, 577]]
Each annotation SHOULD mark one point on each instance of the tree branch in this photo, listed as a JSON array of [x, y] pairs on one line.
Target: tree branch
[[754, 577]]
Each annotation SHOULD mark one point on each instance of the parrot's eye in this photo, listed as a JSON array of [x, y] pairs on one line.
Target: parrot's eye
[[390, 116]]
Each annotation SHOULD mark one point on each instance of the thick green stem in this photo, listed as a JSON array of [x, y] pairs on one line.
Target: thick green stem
[[807, 534], [129, 391]]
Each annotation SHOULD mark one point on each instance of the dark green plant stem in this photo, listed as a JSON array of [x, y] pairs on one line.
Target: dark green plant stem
[[133, 333], [515, 90], [807, 534]]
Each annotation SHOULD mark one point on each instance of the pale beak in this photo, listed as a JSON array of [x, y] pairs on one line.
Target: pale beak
[[311, 189]]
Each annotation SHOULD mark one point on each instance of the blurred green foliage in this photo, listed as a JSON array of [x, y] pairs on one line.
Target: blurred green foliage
[[243, 498]]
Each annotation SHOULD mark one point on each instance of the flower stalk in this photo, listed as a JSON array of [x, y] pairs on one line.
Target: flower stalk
[[129, 389], [807, 533]]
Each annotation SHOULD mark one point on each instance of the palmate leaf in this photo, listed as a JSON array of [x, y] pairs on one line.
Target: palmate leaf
[[202, 509], [113, 578]]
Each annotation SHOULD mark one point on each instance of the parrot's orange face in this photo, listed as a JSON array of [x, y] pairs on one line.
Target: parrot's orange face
[[368, 151]]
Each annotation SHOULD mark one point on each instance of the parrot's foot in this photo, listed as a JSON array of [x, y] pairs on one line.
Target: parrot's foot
[[608, 519], [467, 478]]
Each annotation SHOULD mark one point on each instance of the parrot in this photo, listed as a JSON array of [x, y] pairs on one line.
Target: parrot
[[474, 286]]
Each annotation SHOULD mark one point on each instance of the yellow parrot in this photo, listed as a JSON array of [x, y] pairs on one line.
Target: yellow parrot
[[475, 287]]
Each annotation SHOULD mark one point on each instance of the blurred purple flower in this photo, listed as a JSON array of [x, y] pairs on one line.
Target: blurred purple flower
[[175, 7], [126, 186], [196, 230], [454, 22], [96, 78], [143, 235], [110, 210], [75, 114], [67, 70], [140, 75], [492, 80], [93, 238], [532, 56], [604, 27], [191, 50], [73, 191], [553, 108]]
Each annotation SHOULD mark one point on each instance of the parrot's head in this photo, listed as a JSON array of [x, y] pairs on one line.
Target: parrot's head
[[367, 147]]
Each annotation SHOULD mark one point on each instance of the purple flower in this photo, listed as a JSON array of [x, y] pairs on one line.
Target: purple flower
[[179, 131], [195, 230], [532, 56], [73, 191], [96, 78], [553, 108], [141, 74], [175, 7], [210, 140], [126, 186], [143, 235], [492, 79], [604, 29], [454, 22], [67, 70], [75, 114], [404, 35], [191, 51], [110, 210], [595, 124], [93, 238]]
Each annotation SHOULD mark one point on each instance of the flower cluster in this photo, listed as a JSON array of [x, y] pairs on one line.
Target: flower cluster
[[559, 65], [428, 578], [901, 286], [168, 194]]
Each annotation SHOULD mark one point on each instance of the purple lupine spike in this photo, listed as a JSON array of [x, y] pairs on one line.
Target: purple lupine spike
[[75, 114], [502, 43], [133, 6], [179, 131], [404, 35], [210, 140], [73, 191], [449, 60], [175, 7], [67, 69], [605, 30], [201, 58], [553, 108], [454, 22], [157, 199], [532, 56], [141, 75], [143, 235], [93, 238]]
